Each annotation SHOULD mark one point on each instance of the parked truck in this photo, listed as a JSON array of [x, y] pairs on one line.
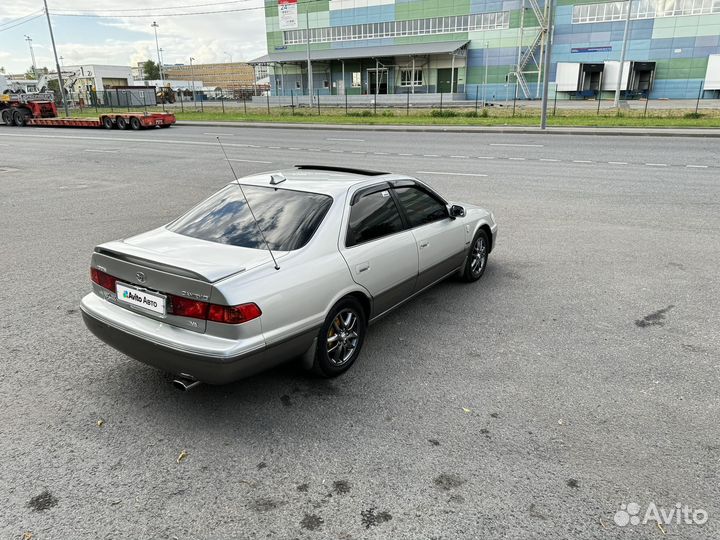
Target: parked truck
[[39, 109]]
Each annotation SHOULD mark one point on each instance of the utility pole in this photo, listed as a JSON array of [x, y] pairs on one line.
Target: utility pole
[[157, 47], [616, 103], [309, 63], [57, 62], [192, 76], [546, 65], [32, 55], [487, 46]]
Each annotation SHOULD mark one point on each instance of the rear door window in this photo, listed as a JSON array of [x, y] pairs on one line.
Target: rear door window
[[419, 206], [373, 216], [287, 218]]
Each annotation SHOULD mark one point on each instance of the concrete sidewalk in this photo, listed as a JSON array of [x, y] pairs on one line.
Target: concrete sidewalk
[[524, 130]]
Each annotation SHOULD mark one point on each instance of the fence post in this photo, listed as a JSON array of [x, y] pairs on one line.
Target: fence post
[[94, 94], [375, 103], [515, 98], [292, 102], [555, 102], [647, 100], [245, 104], [441, 102], [182, 102], [477, 94], [697, 103], [318, 100], [408, 104], [202, 106], [222, 100], [599, 101], [267, 95], [144, 102]]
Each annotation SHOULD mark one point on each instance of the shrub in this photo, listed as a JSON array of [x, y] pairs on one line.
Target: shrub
[[693, 115], [442, 114]]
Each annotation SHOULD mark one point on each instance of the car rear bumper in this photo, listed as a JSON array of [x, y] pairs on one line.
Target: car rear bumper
[[213, 364]]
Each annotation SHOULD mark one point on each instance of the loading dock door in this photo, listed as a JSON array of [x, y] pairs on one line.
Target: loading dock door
[[591, 77], [611, 74], [642, 75], [712, 75], [567, 76]]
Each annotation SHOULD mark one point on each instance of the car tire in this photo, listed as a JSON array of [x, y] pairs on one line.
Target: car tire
[[340, 339], [477, 257], [135, 123], [121, 123]]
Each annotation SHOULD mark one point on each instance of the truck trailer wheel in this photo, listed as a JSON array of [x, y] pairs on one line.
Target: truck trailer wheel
[[7, 117], [135, 122], [121, 122], [107, 122], [20, 118]]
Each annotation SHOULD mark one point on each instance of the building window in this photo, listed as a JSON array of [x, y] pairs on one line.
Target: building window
[[642, 9], [410, 77], [356, 79], [418, 27]]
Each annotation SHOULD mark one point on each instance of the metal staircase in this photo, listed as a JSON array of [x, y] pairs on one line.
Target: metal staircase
[[530, 57]]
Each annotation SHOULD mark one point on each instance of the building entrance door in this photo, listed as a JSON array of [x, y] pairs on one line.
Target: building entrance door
[[445, 82], [378, 78]]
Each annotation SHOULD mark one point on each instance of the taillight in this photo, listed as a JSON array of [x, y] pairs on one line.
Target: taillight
[[106, 281], [233, 314], [184, 307]]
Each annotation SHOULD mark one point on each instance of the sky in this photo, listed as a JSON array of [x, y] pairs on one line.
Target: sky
[[126, 40]]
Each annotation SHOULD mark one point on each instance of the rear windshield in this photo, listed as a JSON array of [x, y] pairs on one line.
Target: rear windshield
[[288, 218]]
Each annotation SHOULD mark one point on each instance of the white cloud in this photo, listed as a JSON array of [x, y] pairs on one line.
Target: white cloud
[[207, 38]]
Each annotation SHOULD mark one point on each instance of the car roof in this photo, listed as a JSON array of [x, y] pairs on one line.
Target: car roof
[[333, 181]]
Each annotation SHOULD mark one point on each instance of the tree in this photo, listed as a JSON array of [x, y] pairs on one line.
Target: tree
[[151, 70]]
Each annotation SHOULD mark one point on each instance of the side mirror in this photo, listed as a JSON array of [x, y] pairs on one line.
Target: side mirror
[[456, 211]]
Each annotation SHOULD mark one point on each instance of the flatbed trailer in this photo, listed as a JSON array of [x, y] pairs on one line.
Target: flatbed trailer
[[40, 110]]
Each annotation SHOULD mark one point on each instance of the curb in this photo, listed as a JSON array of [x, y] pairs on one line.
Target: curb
[[521, 130]]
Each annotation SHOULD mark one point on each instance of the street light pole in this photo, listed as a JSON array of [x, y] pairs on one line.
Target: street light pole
[[616, 103], [155, 26], [57, 62], [192, 77], [546, 65], [309, 63], [32, 55]]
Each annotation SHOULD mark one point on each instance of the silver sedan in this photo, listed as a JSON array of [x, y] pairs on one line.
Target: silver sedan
[[278, 266]]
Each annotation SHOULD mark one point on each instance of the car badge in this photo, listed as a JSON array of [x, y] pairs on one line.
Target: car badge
[[140, 277]]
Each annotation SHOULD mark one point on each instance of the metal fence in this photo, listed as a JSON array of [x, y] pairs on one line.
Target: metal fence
[[439, 104]]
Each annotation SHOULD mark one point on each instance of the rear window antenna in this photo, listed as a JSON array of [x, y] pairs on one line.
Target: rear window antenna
[[237, 181]]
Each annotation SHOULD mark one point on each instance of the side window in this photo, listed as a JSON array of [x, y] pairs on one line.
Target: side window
[[375, 215], [420, 207]]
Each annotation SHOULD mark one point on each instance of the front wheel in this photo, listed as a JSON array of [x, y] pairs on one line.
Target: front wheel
[[341, 338], [477, 257]]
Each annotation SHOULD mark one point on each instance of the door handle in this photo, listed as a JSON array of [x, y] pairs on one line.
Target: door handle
[[362, 267], [424, 244]]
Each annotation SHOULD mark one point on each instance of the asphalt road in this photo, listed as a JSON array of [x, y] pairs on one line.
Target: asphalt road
[[579, 374]]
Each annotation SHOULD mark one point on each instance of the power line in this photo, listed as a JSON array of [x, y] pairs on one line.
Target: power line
[[21, 23], [58, 10]]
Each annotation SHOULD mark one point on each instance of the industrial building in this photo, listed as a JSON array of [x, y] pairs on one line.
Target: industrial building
[[492, 47], [230, 77]]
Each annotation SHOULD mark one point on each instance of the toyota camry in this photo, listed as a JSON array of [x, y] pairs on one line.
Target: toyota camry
[[281, 265]]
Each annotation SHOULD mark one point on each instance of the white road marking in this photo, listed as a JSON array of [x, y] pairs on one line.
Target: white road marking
[[617, 163], [430, 155], [581, 161], [292, 148], [549, 159], [656, 164], [356, 152], [517, 159], [696, 166], [524, 145], [380, 153], [404, 154], [338, 139], [101, 151], [459, 157], [250, 160], [451, 173], [337, 151], [274, 147], [485, 157]]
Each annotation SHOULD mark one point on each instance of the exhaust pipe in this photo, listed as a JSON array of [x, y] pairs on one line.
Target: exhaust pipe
[[185, 382]]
